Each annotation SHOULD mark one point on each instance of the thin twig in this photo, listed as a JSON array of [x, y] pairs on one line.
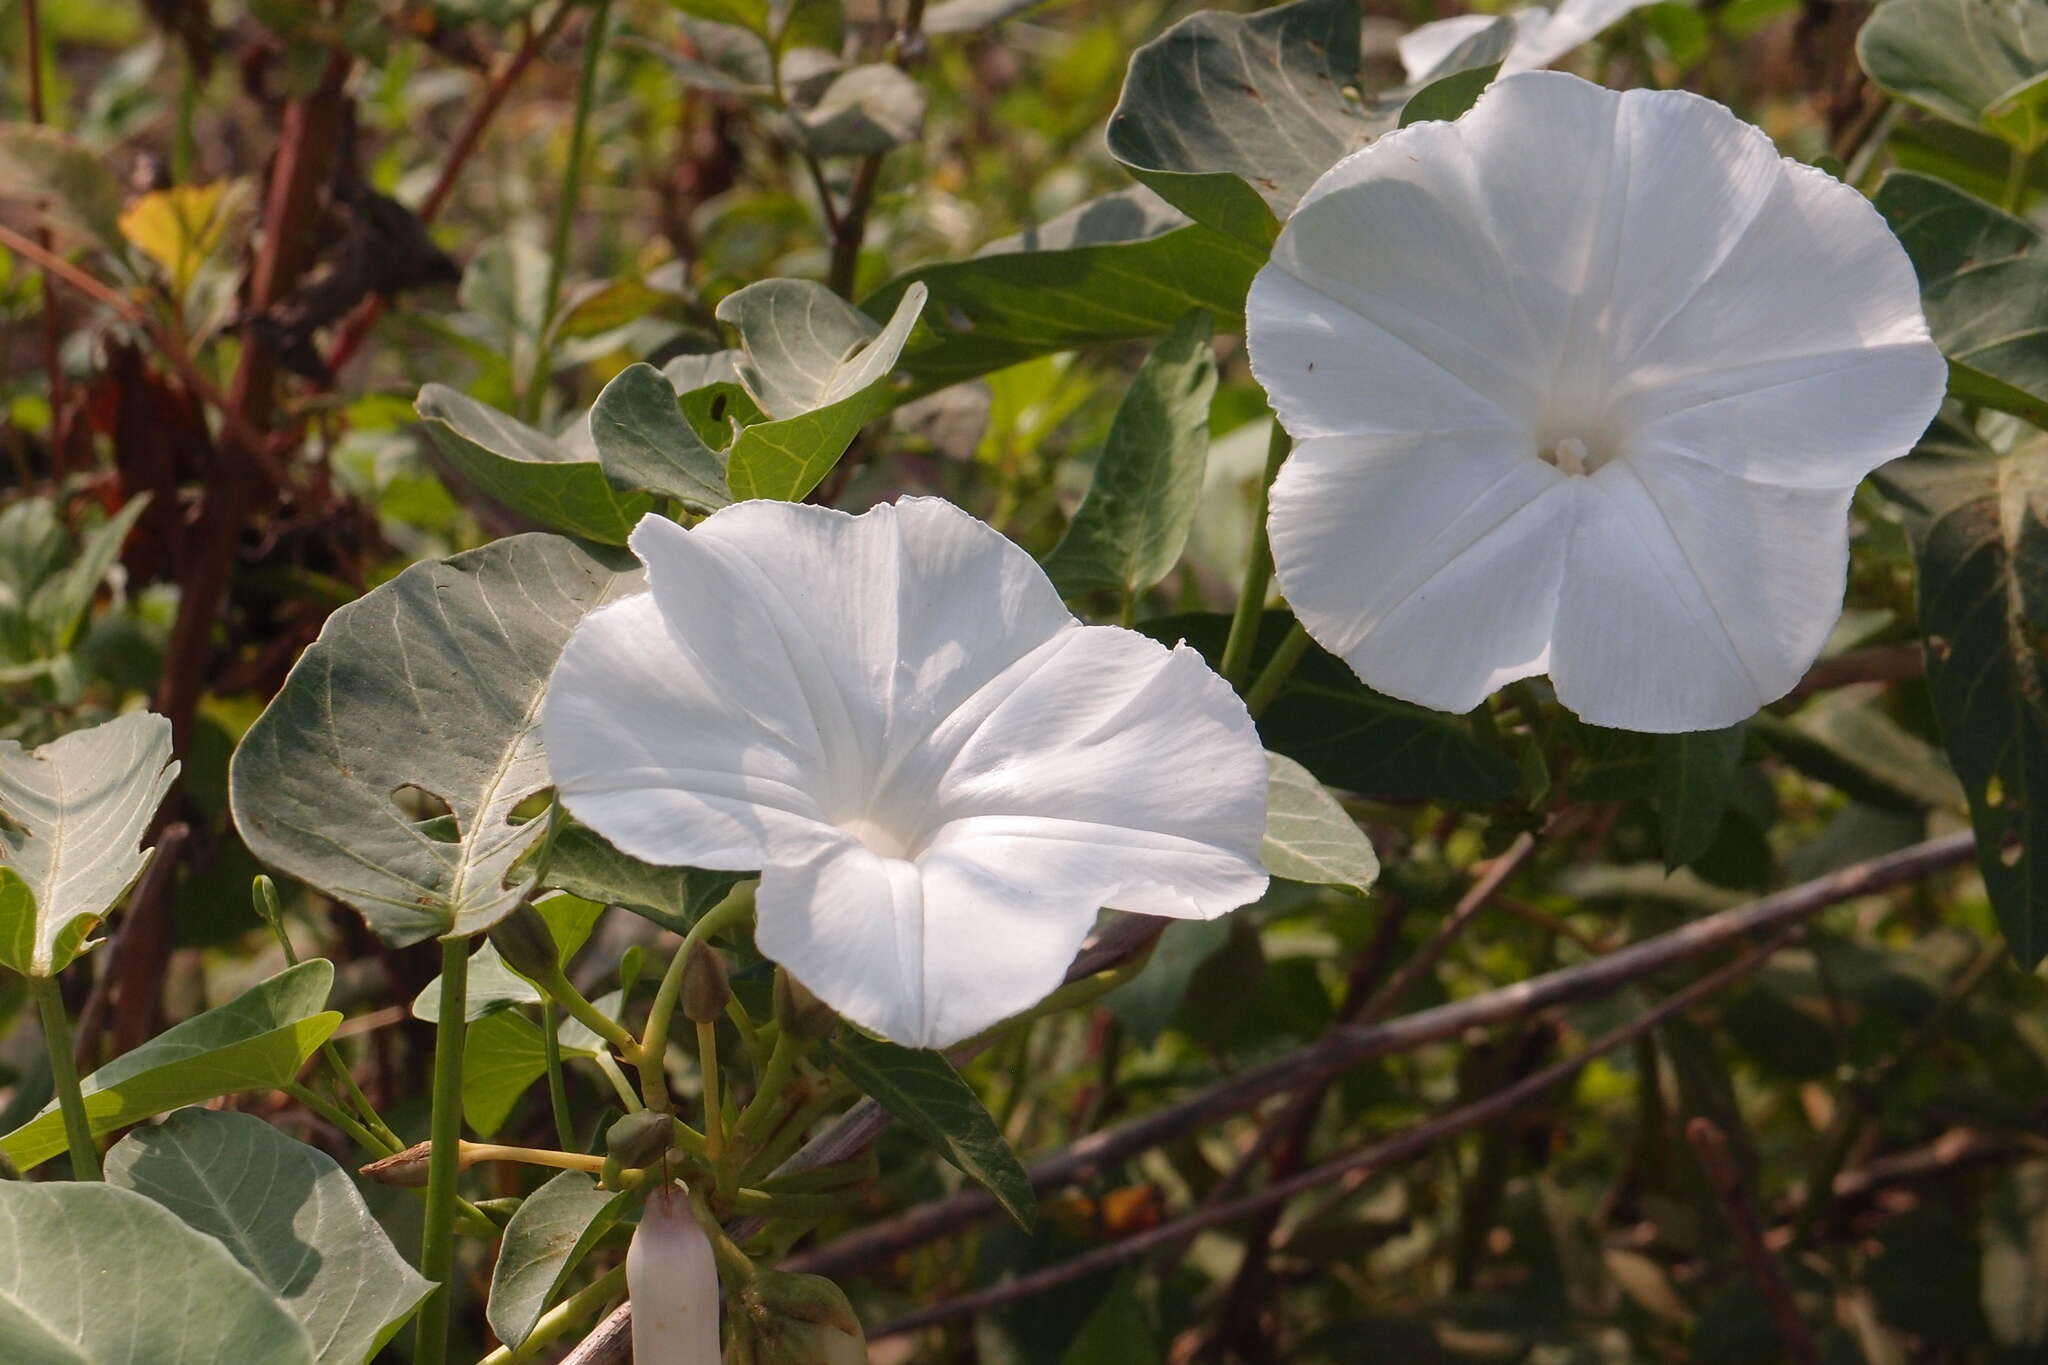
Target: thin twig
[[1346, 1047], [1376, 1156], [1725, 1179]]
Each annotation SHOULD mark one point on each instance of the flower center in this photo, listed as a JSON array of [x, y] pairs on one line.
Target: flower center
[[881, 841], [1571, 456]]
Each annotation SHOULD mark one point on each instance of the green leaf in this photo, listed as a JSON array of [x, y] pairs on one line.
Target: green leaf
[[643, 443], [586, 865], [1847, 742], [42, 166], [971, 16], [257, 1041], [78, 807], [550, 1233], [503, 1054], [2015, 1266], [1130, 530], [1454, 86], [729, 59], [1349, 736], [1984, 284], [59, 606], [527, 470], [1695, 775], [490, 985], [1982, 548], [429, 683], [1149, 1001], [1121, 268], [1309, 836], [923, 1090], [288, 1214], [864, 111], [1980, 63], [1232, 117], [819, 368], [95, 1275], [748, 14]]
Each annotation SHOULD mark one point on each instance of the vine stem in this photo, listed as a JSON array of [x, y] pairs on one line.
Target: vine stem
[[85, 1156], [1236, 664], [565, 209], [1277, 671], [562, 1317], [558, 1090], [437, 1240], [652, 1055]]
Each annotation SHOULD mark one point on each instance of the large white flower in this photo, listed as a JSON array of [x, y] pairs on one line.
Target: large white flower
[[1582, 384], [941, 774], [1541, 35]]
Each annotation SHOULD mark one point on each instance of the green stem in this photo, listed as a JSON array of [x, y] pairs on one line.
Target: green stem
[[577, 1006], [1236, 663], [620, 1085], [1277, 671], [437, 1242], [652, 1054], [559, 1319], [767, 1087], [565, 209], [342, 1119], [764, 1204], [558, 1089], [85, 1156], [2015, 195]]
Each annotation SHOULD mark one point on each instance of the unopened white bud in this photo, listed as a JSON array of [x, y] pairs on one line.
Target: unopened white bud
[[673, 1283]]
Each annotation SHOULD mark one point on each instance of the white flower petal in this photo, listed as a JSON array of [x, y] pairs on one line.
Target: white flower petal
[[1574, 22], [1144, 759], [1430, 564], [1424, 47], [649, 744], [925, 956], [1691, 598]]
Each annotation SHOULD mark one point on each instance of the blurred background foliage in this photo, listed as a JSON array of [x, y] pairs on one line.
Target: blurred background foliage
[[1879, 1087]]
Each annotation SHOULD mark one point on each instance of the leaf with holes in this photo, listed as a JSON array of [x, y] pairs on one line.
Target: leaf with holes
[[78, 808], [1125, 267], [257, 1041], [1232, 117], [91, 1274], [528, 471], [552, 1230], [288, 1214], [491, 985], [819, 368], [1984, 284], [1309, 835], [923, 1090], [430, 683], [1980, 538], [1129, 531]]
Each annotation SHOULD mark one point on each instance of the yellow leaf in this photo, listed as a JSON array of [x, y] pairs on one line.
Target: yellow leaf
[[179, 228]]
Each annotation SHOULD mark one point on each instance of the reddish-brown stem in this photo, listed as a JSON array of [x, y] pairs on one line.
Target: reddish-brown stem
[[1725, 1178], [1365, 1160], [357, 327]]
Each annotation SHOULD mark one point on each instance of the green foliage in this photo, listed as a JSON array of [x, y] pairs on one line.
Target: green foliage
[[257, 1041], [1981, 544], [1695, 773], [673, 897], [644, 444], [1984, 283], [78, 806], [924, 1091], [455, 655], [96, 1275], [49, 168], [552, 1231], [1975, 62], [527, 470], [1309, 835], [288, 1214], [1129, 532]]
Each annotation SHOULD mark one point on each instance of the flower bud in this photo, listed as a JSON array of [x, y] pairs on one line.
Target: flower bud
[[407, 1169], [673, 1283], [526, 943], [705, 987], [803, 1016], [263, 894], [639, 1139], [785, 1319]]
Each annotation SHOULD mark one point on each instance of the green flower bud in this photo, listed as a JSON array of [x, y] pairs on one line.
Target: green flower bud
[[526, 943], [639, 1139], [785, 1319], [705, 987], [263, 893], [803, 1016]]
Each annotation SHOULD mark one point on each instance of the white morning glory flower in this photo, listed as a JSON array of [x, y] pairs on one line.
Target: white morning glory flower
[[1582, 384], [1541, 35], [941, 774]]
